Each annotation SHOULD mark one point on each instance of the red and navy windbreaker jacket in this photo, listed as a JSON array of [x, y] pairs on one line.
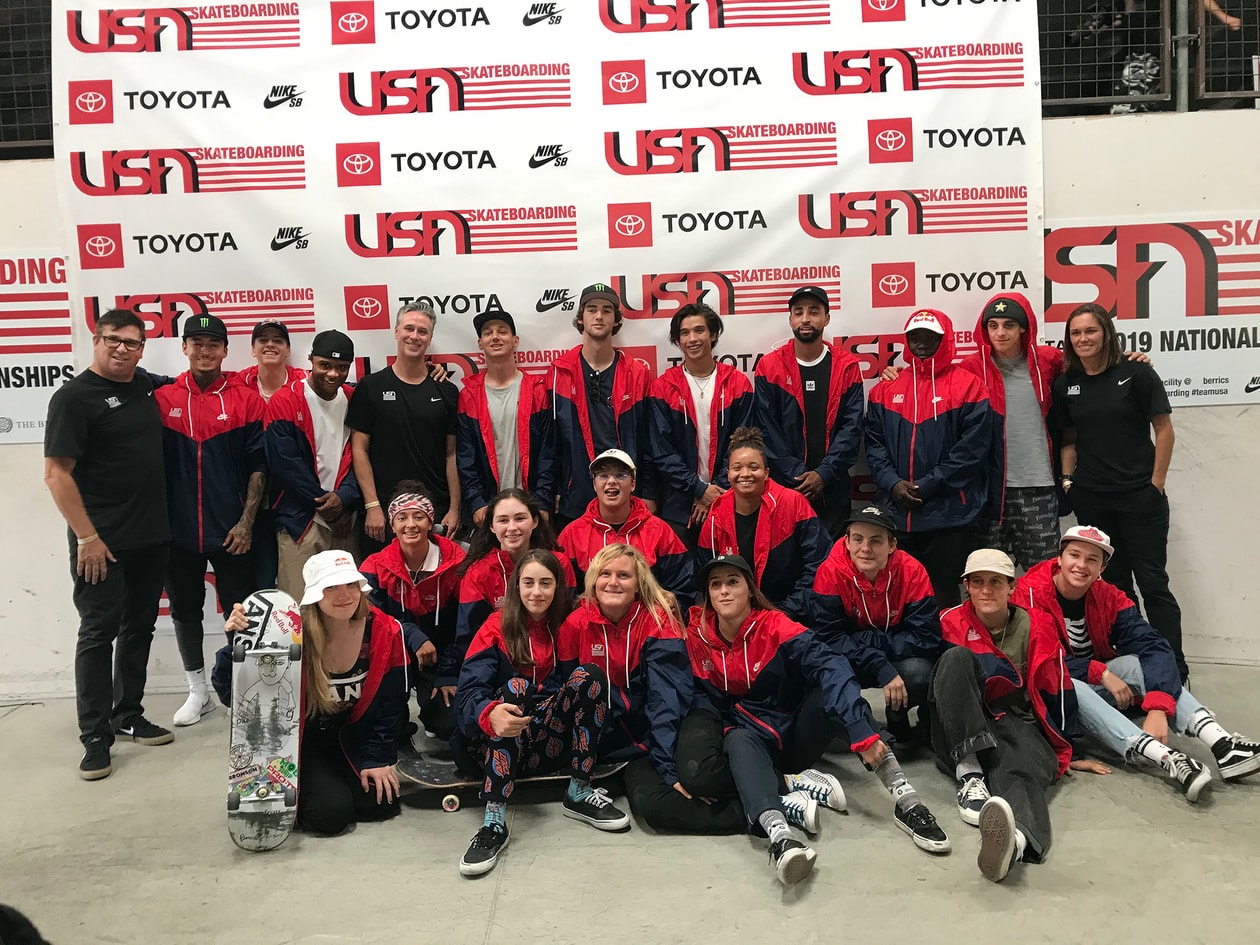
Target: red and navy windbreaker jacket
[[1045, 363], [666, 555], [877, 624], [369, 737], [1116, 628], [426, 610], [212, 442], [289, 437], [249, 377], [483, 588], [649, 680], [790, 545], [780, 415], [487, 667], [564, 467], [758, 681], [933, 427], [675, 442], [1048, 683], [475, 456]]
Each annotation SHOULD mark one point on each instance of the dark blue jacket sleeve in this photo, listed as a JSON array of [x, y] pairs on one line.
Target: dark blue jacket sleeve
[[349, 493], [451, 656], [540, 486], [815, 544], [467, 440], [469, 617], [919, 632], [669, 694], [1133, 636], [846, 440], [882, 463], [547, 459], [675, 571], [997, 666], [290, 462], [970, 455], [478, 682], [666, 454], [772, 407], [864, 649], [842, 696]]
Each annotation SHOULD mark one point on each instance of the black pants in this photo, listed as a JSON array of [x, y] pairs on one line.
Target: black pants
[[943, 554], [1137, 522], [1019, 764], [435, 715], [111, 657], [834, 513], [916, 674], [186, 590], [330, 796], [264, 550]]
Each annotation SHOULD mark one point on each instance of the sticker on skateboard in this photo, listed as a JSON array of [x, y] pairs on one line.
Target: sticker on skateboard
[[438, 775], [266, 715]]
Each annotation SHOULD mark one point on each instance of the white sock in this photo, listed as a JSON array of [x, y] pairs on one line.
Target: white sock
[[1203, 726], [968, 766], [774, 824], [1149, 748], [1021, 842], [197, 682]]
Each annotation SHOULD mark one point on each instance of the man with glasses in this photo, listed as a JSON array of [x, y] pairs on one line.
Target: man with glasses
[[404, 423], [615, 515], [598, 403], [103, 466]]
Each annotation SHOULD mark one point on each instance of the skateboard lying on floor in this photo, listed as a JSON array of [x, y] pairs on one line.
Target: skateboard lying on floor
[[266, 715], [431, 773]]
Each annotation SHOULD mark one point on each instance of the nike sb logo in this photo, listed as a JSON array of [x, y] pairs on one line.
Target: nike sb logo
[[540, 12], [553, 298], [287, 236], [549, 154], [283, 93]]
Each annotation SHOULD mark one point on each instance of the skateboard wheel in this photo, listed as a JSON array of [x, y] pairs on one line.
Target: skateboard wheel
[[290, 797], [295, 652], [234, 801], [450, 803], [238, 652]]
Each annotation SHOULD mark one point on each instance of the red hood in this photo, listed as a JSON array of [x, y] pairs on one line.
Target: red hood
[[944, 355], [981, 337]]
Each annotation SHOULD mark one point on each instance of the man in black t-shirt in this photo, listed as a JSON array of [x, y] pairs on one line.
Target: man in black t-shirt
[[403, 423], [103, 465]]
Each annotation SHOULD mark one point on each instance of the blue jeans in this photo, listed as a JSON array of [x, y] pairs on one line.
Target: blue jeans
[[1129, 669]]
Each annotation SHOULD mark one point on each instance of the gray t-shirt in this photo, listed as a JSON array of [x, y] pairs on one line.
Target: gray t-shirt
[[503, 406], [1027, 452]]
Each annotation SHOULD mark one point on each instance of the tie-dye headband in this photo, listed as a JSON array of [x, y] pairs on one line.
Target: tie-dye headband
[[409, 501]]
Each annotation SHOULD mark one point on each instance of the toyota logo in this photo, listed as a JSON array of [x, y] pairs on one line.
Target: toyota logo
[[98, 246], [357, 163], [357, 22], [623, 82], [90, 102], [882, 5], [890, 140], [893, 284], [366, 308], [630, 225]]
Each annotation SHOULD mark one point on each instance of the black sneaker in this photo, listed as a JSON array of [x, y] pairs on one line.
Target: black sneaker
[[95, 764], [144, 732], [1191, 775], [483, 852], [923, 828], [1237, 757], [598, 810], [792, 860]]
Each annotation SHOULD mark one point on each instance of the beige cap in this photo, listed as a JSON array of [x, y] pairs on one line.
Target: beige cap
[[989, 559]]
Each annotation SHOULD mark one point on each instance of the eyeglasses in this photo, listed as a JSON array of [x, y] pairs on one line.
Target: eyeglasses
[[113, 341], [619, 476]]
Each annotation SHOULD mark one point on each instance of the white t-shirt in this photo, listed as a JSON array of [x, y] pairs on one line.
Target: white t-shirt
[[702, 390], [328, 417]]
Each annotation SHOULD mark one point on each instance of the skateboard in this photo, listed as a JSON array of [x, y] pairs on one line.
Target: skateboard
[[435, 774], [266, 715]]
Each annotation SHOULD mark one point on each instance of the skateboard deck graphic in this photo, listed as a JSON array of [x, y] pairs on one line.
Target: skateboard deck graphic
[[266, 715], [435, 774]]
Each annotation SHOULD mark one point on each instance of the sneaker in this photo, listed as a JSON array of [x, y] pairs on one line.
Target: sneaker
[[483, 852], [1237, 757], [792, 860], [923, 828], [144, 732], [1192, 776], [972, 793], [598, 810], [801, 810], [195, 706], [824, 788], [95, 764], [997, 840]]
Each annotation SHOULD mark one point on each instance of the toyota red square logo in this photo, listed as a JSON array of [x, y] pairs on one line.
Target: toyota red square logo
[[883, 11], [625, 82], [629, 225], [892, 285], [92, 102], [100, 246], [353, 21], [890, 140], [367, 306], [359, 164]]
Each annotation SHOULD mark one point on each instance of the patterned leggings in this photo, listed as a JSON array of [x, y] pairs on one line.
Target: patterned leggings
[[564, 729]]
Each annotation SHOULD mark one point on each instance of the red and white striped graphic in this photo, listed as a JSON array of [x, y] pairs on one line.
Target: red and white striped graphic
[[754, 154], [241, 310], [737, 13], [225, 32], [550, 91], [974, 209], [770, 297], [1238, 278], [34, 321], [962, 70], [519, 236], [217, 175]]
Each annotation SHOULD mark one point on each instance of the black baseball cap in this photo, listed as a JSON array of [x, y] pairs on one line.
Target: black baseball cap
[[333, 344], [873, 515], [730, 561], [205, 325], [817, 293], [269, 323], [599, 291], [481, 319], [1002, 307]]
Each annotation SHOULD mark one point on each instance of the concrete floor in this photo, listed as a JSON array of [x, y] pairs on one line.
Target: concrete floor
[[144, 857]]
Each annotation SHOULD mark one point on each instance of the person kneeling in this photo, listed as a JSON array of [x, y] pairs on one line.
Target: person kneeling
[[526, 717], [745, 656], [354, 690]]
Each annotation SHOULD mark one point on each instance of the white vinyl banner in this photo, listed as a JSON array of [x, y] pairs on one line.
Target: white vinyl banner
[[322, 163], [35, 339]]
